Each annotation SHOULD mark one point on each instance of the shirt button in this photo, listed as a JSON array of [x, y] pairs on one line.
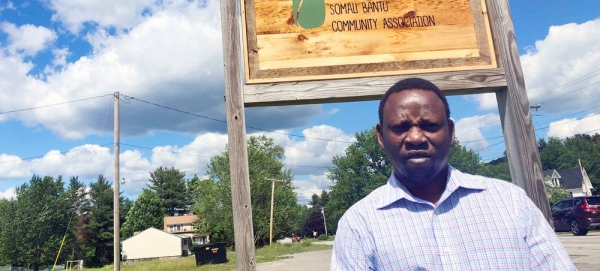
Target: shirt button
[[447, 250]]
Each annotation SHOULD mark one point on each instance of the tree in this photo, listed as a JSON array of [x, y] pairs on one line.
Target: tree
[[38, 219], [496, 169], [464, 159], [555, 194], [362, 168], [7, 242], [76, 195], [170, 186], [146, 212], [97, 223], [313, 223], [566, 153], [213, 195]]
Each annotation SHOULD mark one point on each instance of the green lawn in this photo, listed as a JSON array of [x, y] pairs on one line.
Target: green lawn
[[264, 254]]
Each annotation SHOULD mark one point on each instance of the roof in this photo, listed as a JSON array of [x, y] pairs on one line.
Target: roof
[[152, 229], [569, 178], [182, 219]]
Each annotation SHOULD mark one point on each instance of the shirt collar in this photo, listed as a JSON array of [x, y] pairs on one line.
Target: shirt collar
[[394, 191]]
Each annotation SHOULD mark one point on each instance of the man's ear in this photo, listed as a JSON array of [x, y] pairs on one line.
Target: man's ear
[[380, 135], [451, 130]]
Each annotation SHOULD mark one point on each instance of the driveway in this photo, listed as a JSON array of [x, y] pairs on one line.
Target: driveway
[[584, 251]]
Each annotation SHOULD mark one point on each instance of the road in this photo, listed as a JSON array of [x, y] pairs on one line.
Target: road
[[584, 251]]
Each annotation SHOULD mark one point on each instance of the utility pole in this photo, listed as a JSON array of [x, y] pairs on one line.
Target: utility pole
[[272, 202], [116, 195], [324, 223]]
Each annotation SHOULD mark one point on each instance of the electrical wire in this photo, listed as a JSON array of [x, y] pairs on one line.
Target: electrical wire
[[50, 105], [223, 121]]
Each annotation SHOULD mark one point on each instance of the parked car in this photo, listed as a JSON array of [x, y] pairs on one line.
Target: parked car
[[577, 214]]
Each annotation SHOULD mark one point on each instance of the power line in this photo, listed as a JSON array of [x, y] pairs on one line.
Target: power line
[[50, 105], [223, 121]]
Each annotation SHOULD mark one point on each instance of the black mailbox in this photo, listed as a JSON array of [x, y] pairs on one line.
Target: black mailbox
[[211, 253]]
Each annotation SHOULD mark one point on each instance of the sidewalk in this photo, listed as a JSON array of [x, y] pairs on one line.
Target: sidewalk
[[314, 261]]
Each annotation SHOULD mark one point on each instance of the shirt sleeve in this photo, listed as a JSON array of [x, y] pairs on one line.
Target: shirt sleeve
[[352, 249], [547, 252]]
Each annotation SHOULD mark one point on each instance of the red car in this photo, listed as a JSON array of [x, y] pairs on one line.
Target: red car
[[577, 214]]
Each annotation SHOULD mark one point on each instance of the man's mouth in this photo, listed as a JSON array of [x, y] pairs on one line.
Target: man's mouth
[[417, 157]]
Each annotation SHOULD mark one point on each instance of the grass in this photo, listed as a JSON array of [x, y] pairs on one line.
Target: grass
[[264, 254]]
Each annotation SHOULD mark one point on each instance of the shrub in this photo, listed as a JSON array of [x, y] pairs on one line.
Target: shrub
[[322, 237]]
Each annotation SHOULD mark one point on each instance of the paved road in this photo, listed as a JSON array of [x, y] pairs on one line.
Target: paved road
[[584, 251]]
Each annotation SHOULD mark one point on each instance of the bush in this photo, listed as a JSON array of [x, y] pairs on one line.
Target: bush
[[322, 237]]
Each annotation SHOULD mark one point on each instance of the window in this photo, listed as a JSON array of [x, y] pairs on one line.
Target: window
[[173, 228]]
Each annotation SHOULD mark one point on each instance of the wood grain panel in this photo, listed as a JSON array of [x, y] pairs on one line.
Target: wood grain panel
[[312, 46], [278, 50], [521, 145], [276, 17], [383, 58], [236, 131], [363, 89]]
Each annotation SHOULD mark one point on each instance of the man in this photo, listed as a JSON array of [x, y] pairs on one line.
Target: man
[[430, 216]]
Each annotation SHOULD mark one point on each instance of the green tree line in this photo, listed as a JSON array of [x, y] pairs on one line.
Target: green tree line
[[46, 209]]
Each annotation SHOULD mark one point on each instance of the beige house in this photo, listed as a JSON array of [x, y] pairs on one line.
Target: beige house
[[154, 244], [184, 225]]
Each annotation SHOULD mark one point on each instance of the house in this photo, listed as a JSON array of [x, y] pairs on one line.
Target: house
[[184, 225], [154, 244], [574, 180]]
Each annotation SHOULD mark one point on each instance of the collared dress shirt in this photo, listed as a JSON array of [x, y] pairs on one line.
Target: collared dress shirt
[[479, 224]]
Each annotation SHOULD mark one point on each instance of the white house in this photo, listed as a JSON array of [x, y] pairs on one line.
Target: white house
[[574, 180], [154, 244]]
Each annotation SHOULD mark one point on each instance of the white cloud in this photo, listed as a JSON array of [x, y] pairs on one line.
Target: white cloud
[[556, 70], [11, 166], [312, 154], [8, 193], [589, 124], [8, 5], [89, 161], [308, 185], [105, 14], [27, 39], [171, 57], [469, 130], [561, 70]]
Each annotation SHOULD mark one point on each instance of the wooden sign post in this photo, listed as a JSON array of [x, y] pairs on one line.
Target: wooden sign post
[[317, 51]]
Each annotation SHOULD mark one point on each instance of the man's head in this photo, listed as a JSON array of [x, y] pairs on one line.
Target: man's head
[[413, 83], [416, 131]]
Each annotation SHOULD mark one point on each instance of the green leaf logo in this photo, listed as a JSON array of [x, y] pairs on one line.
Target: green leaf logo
[[309, 13]]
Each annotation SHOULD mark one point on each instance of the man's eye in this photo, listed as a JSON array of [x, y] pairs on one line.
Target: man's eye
[[399, 128], [430, 126]]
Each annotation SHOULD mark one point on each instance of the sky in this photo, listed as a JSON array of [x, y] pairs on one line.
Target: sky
[[62, 60]]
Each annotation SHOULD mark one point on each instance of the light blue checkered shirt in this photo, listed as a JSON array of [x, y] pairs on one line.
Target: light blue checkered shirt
[[480, 224]]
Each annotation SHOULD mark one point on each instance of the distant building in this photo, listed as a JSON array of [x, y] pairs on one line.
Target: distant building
[[184, 225], [574, 180], [154, 244]]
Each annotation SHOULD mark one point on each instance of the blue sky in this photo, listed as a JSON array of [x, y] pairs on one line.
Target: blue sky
[[75, 54]]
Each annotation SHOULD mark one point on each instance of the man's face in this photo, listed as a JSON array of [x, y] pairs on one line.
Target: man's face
[[416, 135]]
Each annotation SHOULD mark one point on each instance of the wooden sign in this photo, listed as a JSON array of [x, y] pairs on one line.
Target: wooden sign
[[300, 40]]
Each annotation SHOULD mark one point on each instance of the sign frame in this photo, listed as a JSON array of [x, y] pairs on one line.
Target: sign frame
[[506, 82], [278, 50]]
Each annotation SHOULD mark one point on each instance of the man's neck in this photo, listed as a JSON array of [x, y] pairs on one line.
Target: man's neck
[[433, 190]]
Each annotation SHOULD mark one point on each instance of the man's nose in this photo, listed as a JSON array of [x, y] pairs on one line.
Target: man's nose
[[415, 136]]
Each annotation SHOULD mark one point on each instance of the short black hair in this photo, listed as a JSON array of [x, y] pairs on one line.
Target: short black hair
[[412, 83]]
